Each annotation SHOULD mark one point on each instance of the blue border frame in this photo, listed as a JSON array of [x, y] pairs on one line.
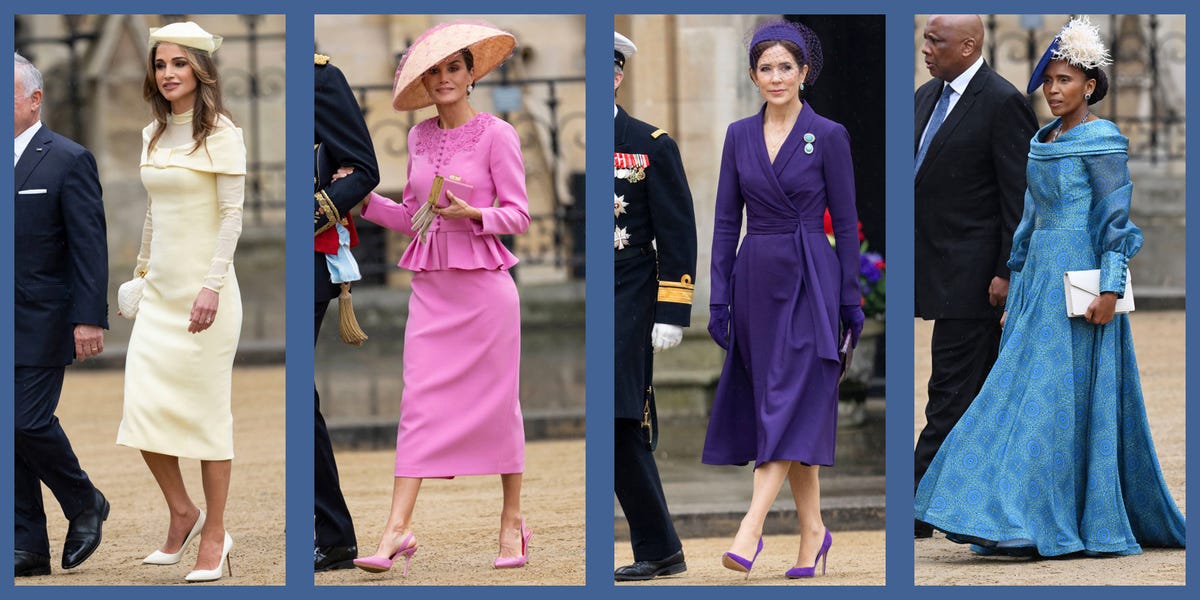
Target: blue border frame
[[599, 285]]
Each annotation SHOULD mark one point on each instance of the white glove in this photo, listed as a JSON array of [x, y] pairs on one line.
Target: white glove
[[665, 337]]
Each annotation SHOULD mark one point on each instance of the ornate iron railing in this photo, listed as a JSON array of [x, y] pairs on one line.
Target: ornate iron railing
[[556, 236]]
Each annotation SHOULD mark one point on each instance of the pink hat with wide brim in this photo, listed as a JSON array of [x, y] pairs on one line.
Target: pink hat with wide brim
[[489, 46]]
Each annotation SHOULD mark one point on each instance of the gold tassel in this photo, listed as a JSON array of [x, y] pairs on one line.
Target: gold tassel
[[348, 326]]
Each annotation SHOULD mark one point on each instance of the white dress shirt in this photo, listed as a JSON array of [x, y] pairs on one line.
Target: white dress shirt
[[959, 85], [22, 141]]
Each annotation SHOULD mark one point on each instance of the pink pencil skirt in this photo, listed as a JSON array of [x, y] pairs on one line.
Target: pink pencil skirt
[[461, 413]]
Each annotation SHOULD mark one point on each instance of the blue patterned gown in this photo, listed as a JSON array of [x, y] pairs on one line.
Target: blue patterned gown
[[1054, 455]]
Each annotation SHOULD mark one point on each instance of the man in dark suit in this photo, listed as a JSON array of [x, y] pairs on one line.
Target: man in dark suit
[[655, 244], [971, 141], [341, 142], [60, 314]]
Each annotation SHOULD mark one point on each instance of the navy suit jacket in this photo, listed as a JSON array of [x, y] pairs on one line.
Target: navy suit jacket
[[61, 258]]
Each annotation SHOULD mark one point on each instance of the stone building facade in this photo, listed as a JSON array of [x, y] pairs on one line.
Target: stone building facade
[[94, 66]]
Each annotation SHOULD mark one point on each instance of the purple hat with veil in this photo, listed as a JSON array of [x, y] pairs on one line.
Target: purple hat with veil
[[797, 33]]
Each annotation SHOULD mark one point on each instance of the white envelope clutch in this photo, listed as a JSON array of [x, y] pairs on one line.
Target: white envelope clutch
[[1082, 287]]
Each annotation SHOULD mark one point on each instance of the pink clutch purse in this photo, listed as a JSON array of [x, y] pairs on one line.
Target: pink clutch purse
[[453, 184]]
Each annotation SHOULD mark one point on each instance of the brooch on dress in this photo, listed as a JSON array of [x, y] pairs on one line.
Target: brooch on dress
[[809, 138]]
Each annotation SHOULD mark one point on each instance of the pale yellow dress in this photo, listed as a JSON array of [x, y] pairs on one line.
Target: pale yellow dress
[[177, 384]]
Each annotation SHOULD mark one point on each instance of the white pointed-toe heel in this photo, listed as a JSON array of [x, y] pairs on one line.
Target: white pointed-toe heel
[[158, 557], [200, 575]]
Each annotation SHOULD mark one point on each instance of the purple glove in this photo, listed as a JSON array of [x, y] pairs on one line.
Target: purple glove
[[718, 324], [852, 321]]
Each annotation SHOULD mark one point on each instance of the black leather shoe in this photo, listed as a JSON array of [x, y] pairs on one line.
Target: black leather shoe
[[28, 564], [649, 569], [84, 532], [330, 558], [922, 530]]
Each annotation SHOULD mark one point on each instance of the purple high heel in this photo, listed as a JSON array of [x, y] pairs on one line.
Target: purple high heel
[[822, 557], [736, 563], [375, 564]]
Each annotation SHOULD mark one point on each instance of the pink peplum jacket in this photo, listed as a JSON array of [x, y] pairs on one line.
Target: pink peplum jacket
[[484, 153]]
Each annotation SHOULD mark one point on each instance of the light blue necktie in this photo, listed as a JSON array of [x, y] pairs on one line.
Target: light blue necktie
[[935, 121]]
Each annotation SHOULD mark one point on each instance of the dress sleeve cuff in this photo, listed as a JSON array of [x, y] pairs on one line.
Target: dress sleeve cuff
[[1112, 273]]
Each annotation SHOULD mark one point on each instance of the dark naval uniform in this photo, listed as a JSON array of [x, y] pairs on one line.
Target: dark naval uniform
[[341, 140], [654, 284]]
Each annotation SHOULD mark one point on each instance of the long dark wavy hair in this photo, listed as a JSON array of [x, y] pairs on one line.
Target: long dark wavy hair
[[209, 105]]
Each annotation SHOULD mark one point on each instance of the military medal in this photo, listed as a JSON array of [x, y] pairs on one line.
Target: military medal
[[630, 167], [619, 205], [620, 237]]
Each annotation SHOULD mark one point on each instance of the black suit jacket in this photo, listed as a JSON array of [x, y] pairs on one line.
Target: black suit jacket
[[342, 140], [969, 193], [61, 258]]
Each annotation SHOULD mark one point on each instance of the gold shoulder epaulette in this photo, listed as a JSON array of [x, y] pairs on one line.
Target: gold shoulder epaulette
[[657, 132], [678, 292], [320, 59]]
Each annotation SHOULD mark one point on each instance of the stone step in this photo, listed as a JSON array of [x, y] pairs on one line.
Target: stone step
[[841, 513]]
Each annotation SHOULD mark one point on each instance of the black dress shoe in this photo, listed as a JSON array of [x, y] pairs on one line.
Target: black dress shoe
[[84, 532], [329, 558], [649, 569], [922, 530], [28, 564]]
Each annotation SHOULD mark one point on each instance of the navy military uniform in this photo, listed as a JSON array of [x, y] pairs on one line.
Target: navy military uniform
[[655, 245], [654, 282], [341, 140]]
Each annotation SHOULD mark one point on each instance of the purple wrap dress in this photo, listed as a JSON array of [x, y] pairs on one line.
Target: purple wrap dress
[[777, 396]]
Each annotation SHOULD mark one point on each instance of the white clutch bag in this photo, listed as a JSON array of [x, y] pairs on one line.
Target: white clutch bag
[[129, 295], [1084, 286]]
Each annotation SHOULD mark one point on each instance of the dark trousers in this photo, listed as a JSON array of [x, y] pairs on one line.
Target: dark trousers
[[963, 352], [639, 490], [334, 526], [43, 454]]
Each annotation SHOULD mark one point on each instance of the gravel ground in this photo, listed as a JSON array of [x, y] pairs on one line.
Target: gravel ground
[[90, 410], [855, 558], [457, 521]]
